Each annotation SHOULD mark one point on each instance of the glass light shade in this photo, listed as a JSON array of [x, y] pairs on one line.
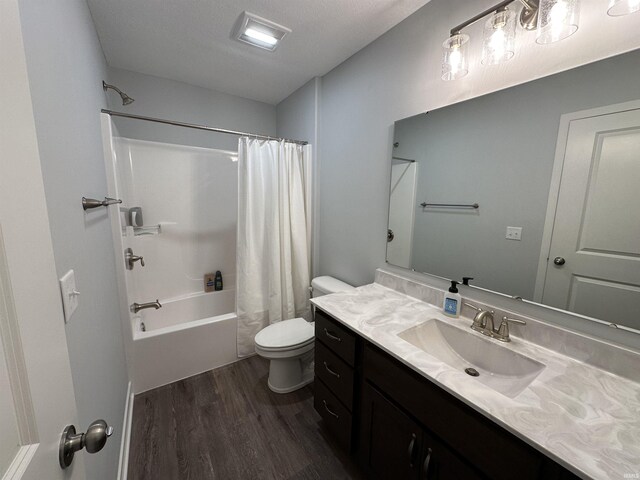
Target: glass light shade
[[557, 20], [498, 44], [454, 57], [623, 7]]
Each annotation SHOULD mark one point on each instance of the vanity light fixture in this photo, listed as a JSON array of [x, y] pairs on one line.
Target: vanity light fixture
[[499, 37], [498, 44], [623, 7], [557, 20], [259, 32], [454, 61]]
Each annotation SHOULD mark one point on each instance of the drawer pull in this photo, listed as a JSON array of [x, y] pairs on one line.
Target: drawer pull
[[425, 467], [412, 447], [335, 374], [332, 336], [326, 407]]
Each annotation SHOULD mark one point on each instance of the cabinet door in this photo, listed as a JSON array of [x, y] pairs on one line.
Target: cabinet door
[[392, 441], [440, 463]]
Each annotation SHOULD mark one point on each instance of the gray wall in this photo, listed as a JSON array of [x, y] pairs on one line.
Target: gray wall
[[498, 150], [66, 67], [168, 99], [297, 119], [396, 76]]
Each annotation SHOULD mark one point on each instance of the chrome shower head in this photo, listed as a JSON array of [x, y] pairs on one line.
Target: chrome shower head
[[126, 99]]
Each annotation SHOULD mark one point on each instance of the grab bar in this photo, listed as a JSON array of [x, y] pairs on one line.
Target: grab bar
[[449, 205]]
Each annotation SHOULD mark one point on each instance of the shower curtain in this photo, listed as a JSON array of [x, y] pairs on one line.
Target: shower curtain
[[274, 235]]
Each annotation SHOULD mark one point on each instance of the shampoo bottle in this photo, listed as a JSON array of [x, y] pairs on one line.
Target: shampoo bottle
[[452, 301], [218, 281]]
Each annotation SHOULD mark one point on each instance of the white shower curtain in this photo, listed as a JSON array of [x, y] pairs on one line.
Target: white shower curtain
[[273, 255]]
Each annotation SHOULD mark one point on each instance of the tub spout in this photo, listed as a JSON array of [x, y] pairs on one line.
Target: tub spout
[[136, 307]]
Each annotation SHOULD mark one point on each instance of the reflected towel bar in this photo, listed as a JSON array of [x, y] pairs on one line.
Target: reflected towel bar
[[449, 205]]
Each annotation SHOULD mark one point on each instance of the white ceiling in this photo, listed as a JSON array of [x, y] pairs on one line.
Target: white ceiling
[[190, 40]]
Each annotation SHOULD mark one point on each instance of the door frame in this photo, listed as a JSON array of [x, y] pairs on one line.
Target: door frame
[[554, 193]]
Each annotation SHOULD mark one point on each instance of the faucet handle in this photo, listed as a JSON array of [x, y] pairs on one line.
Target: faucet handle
[[508, 320], [503, 330]]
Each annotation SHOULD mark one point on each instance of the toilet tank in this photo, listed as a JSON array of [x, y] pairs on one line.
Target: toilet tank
[[326, 285]]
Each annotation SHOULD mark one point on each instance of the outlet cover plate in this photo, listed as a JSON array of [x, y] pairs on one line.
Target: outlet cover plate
[[70, 295], [514, 233]]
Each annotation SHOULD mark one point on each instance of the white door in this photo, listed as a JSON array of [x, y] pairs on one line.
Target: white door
[[36, 392], [402, 207], [594, 260]]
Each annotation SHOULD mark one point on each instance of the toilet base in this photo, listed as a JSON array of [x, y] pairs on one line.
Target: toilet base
[[290, 374]]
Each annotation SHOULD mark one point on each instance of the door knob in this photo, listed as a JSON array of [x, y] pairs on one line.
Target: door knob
[[390, 235], [94, 440], [559, 261]]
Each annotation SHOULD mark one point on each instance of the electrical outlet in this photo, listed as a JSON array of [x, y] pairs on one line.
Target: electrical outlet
[[514, 233], [70, 295]]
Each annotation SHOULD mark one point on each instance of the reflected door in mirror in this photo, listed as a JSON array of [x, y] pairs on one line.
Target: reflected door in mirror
[[596, 232]]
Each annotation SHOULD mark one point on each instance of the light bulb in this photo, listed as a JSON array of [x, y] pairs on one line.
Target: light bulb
[[499, 38], [454, 57]]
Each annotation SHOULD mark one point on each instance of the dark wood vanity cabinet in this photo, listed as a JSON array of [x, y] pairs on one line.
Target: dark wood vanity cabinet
[[337, 357], [396, 446], [400, 425]]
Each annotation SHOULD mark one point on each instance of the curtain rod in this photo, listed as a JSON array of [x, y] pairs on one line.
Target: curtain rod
[[199, 127]]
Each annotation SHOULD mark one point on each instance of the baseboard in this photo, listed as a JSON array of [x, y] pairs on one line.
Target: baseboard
[[126, 435]]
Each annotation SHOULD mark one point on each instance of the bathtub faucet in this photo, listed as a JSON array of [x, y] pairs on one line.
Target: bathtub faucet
[[136, 307]]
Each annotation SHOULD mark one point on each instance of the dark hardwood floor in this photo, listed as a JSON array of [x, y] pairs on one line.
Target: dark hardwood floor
[[227, 424]]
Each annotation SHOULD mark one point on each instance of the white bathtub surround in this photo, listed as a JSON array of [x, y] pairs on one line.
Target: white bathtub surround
[[584, 417], [192, 193], [274, 235]]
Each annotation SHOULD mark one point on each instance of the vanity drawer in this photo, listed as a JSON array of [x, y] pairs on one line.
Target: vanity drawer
[[335, 374], [339, 339], [335, 415], [494, 451]]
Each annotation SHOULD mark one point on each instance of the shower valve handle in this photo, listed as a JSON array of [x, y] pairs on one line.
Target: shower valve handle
[[131, 259]]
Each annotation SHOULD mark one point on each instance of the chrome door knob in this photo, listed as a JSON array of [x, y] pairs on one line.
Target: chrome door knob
[[390, 235], [71, 442], [559, 261]]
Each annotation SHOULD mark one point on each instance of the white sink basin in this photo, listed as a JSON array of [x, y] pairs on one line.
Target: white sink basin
[[500, 368]]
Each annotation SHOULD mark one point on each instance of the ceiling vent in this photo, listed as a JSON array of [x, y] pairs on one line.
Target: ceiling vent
[[259, 32]]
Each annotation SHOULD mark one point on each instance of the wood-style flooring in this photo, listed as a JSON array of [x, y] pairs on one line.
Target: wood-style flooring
[[226, 424]]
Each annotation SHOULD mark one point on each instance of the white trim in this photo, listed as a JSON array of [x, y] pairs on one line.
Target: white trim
[[125, 443], [554, 191], [14, 355], [20, 462]]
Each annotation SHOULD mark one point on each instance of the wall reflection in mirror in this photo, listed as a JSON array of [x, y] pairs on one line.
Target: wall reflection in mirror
[[553, 167]]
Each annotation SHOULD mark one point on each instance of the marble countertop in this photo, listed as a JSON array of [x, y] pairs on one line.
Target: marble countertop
[[585, 418]]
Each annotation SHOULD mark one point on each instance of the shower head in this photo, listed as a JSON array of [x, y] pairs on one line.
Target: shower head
[[126, 99]]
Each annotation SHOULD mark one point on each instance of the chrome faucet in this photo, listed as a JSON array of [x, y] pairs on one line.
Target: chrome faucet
[[483, 323], [136, 307]]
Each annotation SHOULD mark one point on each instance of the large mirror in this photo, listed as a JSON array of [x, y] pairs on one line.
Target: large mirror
[[534, 191]]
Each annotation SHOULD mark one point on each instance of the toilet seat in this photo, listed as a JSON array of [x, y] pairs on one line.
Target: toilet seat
[[285, 335]]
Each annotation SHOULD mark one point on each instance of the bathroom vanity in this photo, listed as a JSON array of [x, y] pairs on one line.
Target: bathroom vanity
[[399, 401]]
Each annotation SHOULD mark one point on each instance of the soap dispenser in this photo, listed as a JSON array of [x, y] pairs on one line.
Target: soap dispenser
[[452, 301]]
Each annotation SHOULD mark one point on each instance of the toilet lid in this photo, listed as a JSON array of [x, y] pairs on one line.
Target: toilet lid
[[287, 333]]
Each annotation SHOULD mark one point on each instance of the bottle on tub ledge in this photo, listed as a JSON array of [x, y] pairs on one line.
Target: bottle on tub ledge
[[213, 282], [452, 301]]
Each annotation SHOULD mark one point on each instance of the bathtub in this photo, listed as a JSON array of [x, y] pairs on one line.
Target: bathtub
[[187, 336]]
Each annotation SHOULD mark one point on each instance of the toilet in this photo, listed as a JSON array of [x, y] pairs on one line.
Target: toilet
[[289, 344]]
